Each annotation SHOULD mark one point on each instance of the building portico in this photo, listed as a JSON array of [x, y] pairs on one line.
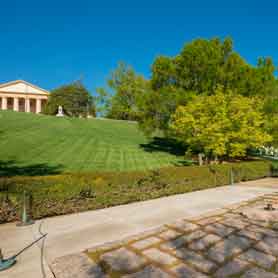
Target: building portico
[[22, 96]]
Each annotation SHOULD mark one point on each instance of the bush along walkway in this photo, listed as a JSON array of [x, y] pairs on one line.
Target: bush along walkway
[[71, 193], [225, 243]]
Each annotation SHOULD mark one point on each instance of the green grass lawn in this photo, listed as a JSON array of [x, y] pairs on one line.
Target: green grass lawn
[[31, 142]]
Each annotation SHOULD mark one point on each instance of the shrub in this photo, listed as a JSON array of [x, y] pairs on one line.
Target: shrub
[[69, 193], [274, 168]]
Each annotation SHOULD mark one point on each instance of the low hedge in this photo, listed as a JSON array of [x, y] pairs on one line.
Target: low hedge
[[69, 193], [274, 168]]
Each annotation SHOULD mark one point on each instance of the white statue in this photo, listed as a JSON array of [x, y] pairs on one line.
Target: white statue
[[60, 112]]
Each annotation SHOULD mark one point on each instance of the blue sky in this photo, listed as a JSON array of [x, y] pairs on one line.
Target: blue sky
[[51, 43]]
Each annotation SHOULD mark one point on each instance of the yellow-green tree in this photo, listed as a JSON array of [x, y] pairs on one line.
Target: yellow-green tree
[[221, 125]]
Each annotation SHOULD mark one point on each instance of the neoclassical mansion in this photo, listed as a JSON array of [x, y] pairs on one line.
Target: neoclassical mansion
[[22, 96]]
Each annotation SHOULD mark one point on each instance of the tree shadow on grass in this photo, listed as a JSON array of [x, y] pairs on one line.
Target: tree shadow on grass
[[11, 168], [159, 144], [183, 162]]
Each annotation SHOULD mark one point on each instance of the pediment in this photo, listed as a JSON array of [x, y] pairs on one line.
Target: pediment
[[21, 86]]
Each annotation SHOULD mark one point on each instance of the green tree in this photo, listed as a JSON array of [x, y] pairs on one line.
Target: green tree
[[204, 64], [157, 106], [221, 125], [271, 111], [127, 87], [200, 67], [103, 102], [74, 98]]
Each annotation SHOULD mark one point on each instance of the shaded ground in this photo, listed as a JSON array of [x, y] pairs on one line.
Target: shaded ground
[[158, 144], [221, 244], [11, 168]]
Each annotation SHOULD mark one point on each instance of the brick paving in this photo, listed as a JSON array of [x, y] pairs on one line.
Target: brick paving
[[224, 244]]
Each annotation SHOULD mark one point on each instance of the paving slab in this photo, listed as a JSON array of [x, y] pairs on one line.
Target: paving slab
[[182, 240], [186, 271], [149, 271], [227, 248], [123, 260], [219, 229], [232, 268], [259, 258], [160, 257], [259, 273], [169, 234], [268, 245], [77, 265], [203, 243], [252, 234], [145, 243], [184, 226], [196, 260]]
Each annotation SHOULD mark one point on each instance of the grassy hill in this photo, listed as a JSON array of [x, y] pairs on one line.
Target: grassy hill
[[38, 144]]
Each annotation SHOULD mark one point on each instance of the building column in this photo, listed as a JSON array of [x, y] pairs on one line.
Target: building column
[[16, 104], [38, 106], [27, 105], [4, 103]]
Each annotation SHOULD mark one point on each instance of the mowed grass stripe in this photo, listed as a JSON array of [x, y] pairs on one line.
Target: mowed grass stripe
[[89, 154], [48, 149], [86, 154], [77, 144], [74, 154]]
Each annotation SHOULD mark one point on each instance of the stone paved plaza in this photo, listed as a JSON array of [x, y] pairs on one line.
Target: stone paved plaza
[[225, 243]]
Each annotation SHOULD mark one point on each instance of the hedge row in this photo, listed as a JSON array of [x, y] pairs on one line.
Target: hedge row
[[274, 170], [69, 193]]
